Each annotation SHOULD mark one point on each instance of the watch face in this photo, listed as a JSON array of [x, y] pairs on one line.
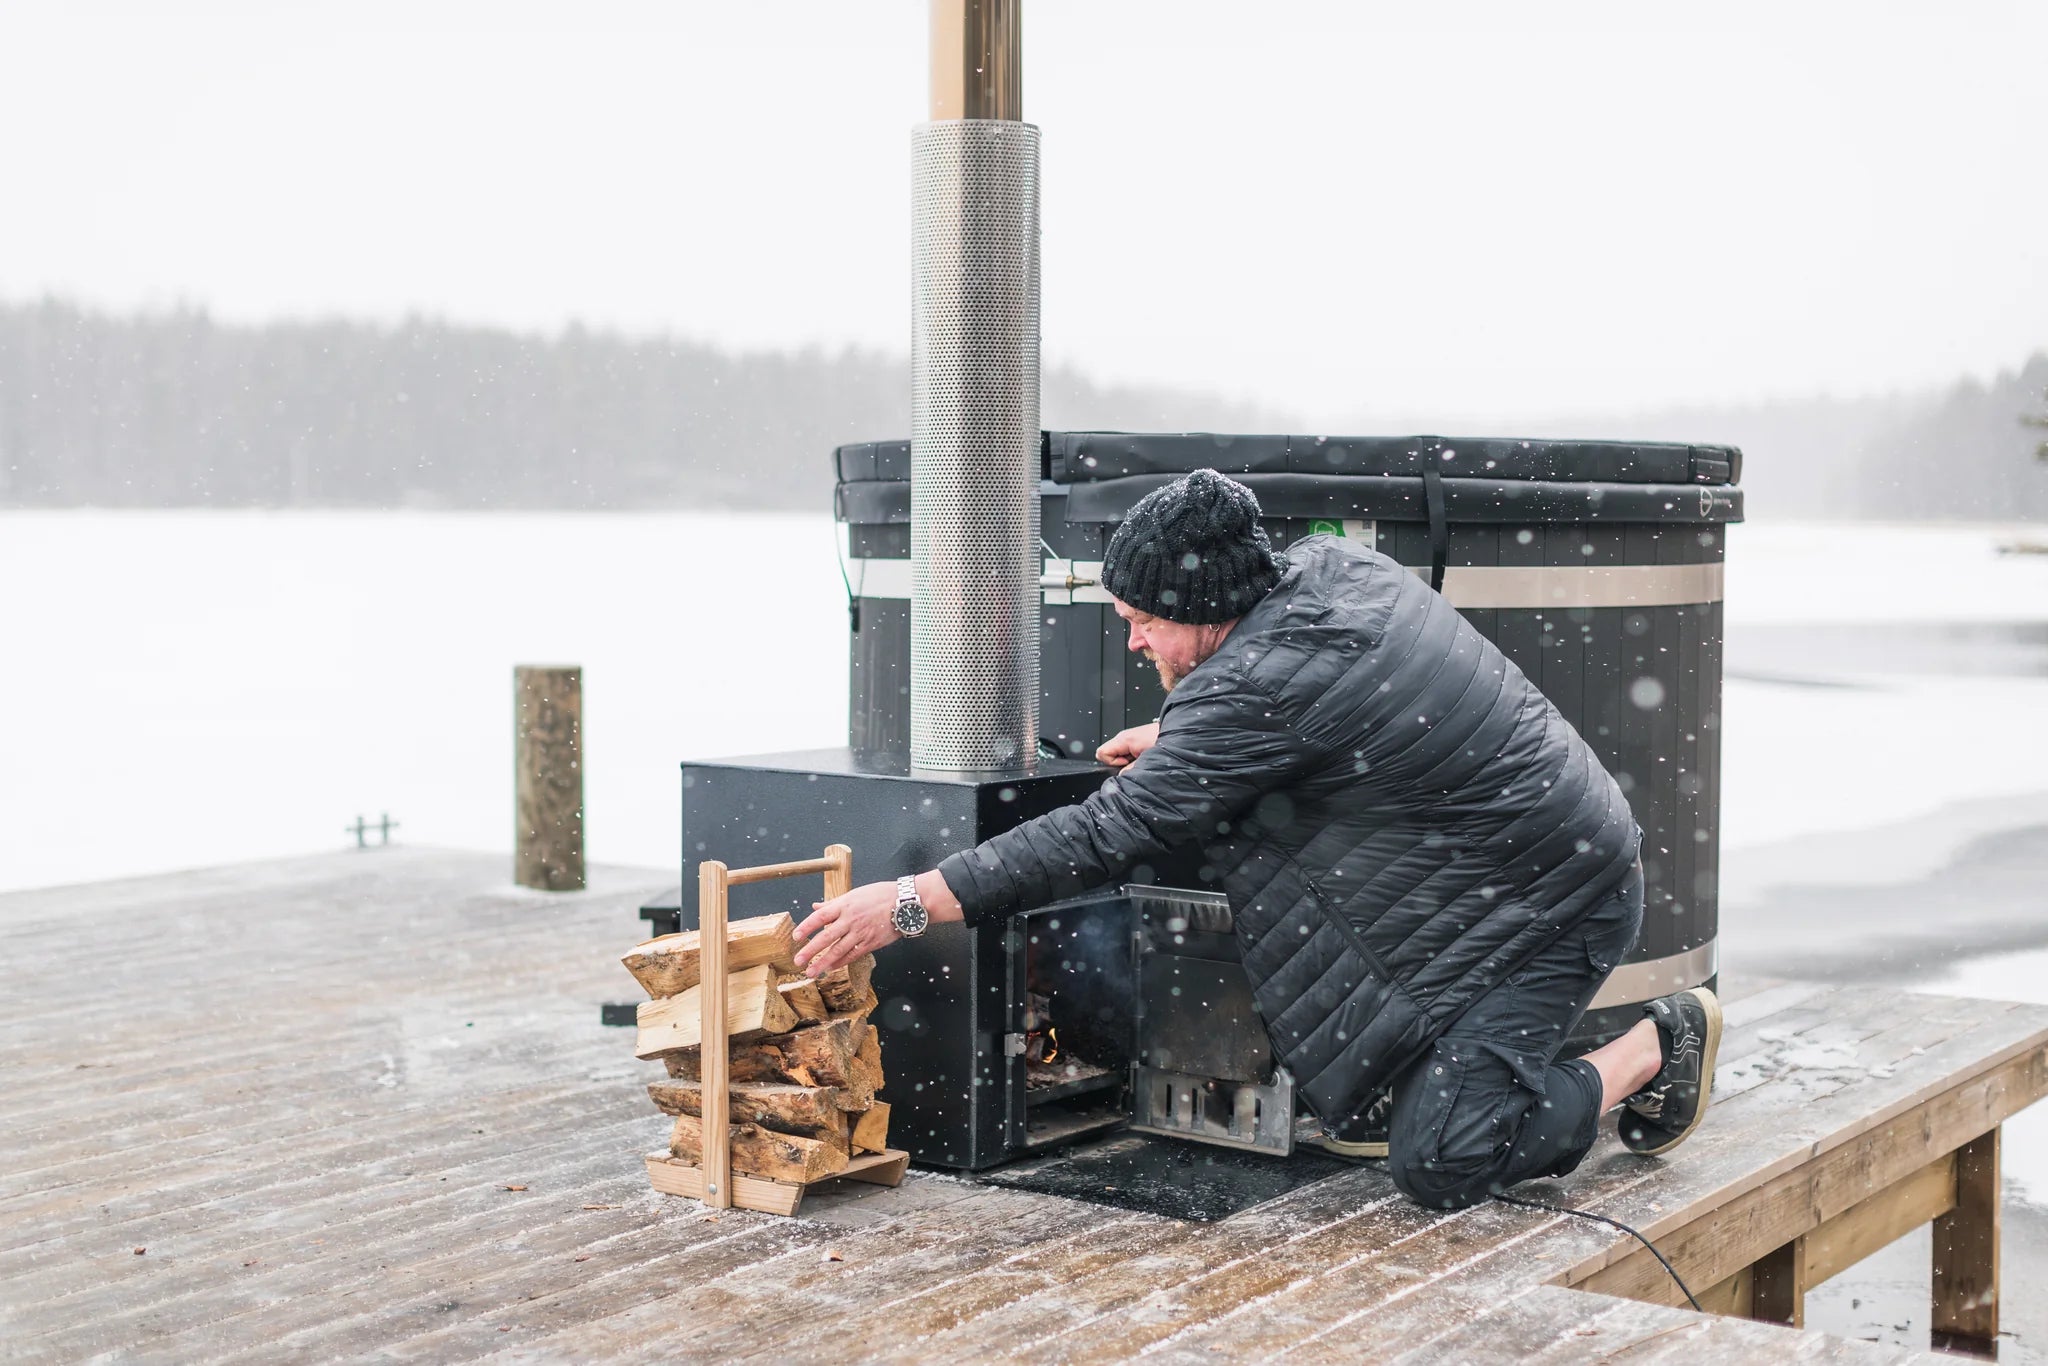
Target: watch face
[[911, 918]]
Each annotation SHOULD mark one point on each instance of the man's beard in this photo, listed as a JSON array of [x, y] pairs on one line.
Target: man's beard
[[1167, 677]]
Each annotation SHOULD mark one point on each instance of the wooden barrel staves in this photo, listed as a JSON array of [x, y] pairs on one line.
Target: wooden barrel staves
[[548, 744]]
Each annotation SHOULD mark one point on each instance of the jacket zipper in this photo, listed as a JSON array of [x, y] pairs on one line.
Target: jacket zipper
[[1350, 932]]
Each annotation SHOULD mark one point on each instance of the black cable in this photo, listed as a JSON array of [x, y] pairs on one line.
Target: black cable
[[1611, 1223]]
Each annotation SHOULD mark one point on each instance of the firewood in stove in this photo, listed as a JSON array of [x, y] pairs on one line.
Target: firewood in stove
[[763, 1152], [847, 988], [804, 998], [812, 1111], [871, 1128], [753, 1007], [669, 965]]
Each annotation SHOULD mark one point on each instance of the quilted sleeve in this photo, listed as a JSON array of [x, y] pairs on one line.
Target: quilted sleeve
[[1219, 751]]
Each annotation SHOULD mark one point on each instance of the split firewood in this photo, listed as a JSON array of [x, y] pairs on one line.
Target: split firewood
[[669, 965], [870, 1055], [846, 988], [812, 1111], [822, 1055], [762, 1152], [871, 1128], [804, 998], [862, 1002], [753, 1007]]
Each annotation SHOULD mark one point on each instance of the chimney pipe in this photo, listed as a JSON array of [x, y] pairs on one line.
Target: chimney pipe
[[974, 454]]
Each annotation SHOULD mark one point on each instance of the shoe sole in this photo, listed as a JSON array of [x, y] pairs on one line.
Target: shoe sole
[[1342, 1149], [1708, 1057]]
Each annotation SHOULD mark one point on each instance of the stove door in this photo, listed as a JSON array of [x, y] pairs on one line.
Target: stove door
[[1205, 1067]]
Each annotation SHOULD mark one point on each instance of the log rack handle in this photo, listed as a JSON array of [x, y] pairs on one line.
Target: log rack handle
[[838, 877], [714, 882], [713, 1053]]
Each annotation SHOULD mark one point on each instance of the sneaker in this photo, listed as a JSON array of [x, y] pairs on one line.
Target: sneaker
[[1658, 1118], [1361, 1136]]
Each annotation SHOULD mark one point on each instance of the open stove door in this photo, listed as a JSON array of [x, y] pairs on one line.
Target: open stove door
[[1205, 1068]]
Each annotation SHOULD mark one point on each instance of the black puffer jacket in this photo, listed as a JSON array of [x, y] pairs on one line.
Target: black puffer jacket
[[1400, 818]]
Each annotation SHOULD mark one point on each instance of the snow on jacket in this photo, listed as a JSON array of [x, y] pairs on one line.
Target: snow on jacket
[[1400, 819]]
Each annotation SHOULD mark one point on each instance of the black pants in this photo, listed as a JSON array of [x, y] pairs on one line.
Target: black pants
[[1489, 1105]]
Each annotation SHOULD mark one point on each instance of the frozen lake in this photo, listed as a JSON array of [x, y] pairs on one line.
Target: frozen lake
[[188, 688]]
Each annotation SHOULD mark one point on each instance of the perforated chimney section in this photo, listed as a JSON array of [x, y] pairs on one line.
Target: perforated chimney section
[[974, 597]]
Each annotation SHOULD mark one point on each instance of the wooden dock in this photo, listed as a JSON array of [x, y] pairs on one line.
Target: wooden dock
[[360, 1105]]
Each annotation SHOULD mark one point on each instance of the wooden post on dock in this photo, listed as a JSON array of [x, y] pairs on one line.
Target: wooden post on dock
[[1966, 1255], [547, 728]]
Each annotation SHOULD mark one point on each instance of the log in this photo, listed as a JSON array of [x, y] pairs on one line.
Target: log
[[847, 988], [668, 965], [753, 1007], [870, 1055], [871, 1128], [763, 1152], [547, 747], [812, 1111], [862, 1002], [822, 1055], [804, 998]]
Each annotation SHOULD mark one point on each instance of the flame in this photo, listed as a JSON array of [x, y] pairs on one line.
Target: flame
[[1052, 1044]]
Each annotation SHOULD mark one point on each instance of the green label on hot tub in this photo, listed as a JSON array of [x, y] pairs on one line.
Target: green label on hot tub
[[1349, 529]]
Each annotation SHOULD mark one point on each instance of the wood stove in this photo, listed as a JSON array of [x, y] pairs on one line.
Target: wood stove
[[1125, 1007]]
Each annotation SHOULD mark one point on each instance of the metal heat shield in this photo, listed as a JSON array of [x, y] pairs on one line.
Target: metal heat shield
[[974, 548]]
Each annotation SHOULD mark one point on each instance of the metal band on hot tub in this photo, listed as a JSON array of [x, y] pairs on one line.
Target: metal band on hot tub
[[1634, 983], [1477, 587]]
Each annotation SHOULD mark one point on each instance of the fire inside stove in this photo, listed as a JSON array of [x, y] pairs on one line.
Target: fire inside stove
[[1049, 1070], [1079, 1026]]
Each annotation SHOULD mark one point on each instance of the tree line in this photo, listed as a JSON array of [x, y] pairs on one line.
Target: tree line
[[176, 409]]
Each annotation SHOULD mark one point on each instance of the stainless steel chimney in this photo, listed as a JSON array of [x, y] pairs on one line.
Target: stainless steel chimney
[[974, 455]]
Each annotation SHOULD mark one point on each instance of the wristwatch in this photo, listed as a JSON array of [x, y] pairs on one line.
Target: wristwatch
[[910, 917]]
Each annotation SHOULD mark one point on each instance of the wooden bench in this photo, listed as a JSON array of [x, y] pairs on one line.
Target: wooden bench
[[1830, 1170]]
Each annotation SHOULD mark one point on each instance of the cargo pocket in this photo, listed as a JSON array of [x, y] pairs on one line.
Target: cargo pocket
[[1527, 1083], [1610, 937], [1446, 1136]]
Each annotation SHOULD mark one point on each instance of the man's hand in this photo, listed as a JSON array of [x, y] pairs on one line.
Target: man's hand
[[844, 928], [1123, 748], [840, 930]]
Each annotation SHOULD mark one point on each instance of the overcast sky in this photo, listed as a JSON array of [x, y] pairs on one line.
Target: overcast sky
[[1339, 208]]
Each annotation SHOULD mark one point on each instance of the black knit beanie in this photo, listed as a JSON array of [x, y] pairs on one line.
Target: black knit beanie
[[1193, 551]]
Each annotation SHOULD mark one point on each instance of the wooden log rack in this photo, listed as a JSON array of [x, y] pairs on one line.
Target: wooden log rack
[[715, 1183]]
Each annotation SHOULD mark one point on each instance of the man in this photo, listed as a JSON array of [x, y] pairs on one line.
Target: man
[[1429, 871]]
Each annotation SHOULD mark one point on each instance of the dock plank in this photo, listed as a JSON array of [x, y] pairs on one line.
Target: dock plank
[[1552, 1327], [311, 1145]]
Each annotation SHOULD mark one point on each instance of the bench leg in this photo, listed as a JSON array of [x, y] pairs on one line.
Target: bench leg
[[1778, 1287], [1966, 1255]]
